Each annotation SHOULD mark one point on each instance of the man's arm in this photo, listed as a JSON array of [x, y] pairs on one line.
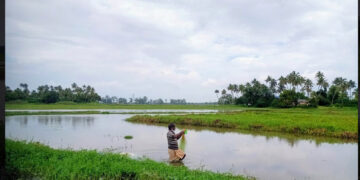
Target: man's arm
[[178, 135]]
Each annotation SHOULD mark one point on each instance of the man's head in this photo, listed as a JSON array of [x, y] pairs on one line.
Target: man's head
[[171, 126]]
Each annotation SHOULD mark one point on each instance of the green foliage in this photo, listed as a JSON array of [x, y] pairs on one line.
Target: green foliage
[[321, 97], [289, 98], [128, 137], [322, 121], [256, 94], [333, 94], [313, 102], [26, 160], [50, 94], [225, 99]]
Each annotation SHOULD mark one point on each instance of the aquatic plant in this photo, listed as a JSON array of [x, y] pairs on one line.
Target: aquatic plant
[[128, 137]]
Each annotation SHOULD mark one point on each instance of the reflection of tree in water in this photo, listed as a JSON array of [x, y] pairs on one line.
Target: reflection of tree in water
[[23, 121], [76, 121], [81, 121], [49, 120]]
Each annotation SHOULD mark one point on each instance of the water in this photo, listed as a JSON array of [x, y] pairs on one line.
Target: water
[[120, 110], [263, 155]]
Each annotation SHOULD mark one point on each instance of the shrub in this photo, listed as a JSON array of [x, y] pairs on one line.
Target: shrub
[[313, 102]]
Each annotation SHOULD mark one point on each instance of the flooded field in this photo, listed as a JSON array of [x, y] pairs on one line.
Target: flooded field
[[263, 155]]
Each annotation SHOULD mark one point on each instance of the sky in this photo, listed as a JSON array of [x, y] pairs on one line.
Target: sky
[[176, 49]]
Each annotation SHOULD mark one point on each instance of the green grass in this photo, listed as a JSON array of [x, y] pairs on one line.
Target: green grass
[[25, 160], [322, 121], [128, 137], [113, 106]]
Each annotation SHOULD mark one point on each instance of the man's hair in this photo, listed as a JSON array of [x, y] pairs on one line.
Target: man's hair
[[171, 126]]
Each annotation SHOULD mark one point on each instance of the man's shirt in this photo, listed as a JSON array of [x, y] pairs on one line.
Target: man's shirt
[[172, 140]]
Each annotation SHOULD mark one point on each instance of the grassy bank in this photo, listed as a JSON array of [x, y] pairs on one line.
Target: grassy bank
[[322, 121], [36, 160], [113, 106]]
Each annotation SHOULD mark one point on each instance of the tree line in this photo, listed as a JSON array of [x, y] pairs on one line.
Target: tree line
[[52, 94], [77, 94], [139, 100], [290, 91]]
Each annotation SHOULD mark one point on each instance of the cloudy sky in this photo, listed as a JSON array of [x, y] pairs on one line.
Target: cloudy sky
[[176, 49]]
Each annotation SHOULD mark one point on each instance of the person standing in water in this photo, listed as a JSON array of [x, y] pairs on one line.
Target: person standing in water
[[175, 154]]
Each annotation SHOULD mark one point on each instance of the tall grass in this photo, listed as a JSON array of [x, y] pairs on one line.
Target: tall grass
[[323, 121], [26, 160]]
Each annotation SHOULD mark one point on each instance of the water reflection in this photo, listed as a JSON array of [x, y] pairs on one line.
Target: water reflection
[[23, 122], [76, 121], [123, 110]]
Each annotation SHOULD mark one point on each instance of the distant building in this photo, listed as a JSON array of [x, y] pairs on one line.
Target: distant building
[[303, 102]]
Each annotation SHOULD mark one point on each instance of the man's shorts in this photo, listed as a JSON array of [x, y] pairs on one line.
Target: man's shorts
[[176, 155]]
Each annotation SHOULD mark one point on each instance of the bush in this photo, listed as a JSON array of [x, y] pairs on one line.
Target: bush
[[313, 102], [275, 103], [263, 102], [241, 101], [288, 98], [321, 97], [279, 104]]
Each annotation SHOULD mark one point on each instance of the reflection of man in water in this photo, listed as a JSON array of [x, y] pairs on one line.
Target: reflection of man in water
[[175, 154]]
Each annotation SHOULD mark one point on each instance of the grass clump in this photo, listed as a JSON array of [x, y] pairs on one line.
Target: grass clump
[[27, 160], [128, 137], [323, 121]]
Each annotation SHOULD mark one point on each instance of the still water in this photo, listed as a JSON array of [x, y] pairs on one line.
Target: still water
[[262, 155], [122, 110]]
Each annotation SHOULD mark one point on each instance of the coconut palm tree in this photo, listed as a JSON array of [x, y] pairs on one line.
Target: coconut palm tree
[[236, 90], [351, 85], [241, 88], [321, 81], [217, 93], [272, 84], [356, 93], [282, 84], [223, 92], [292, 79], [343, 85], [231, 88], [307, 86]]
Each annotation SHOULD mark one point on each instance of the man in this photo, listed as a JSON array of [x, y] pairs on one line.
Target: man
[[175, 154]]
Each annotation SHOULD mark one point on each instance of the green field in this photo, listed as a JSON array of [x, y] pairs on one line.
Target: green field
[[25, 160], [322, 121]]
